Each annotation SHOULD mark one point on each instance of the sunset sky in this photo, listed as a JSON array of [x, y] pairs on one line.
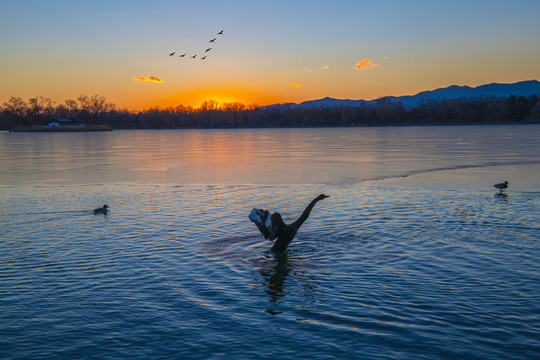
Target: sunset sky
[[270, 51]]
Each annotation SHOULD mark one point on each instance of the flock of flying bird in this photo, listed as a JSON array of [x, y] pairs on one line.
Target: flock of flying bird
[[195, 56]]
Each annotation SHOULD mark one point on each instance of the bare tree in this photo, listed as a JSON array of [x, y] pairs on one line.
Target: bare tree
[[41, 109], [184, 109], [17, 108], [98, 105], [209, 105], [88, 108], [233, 106], [72, 105]]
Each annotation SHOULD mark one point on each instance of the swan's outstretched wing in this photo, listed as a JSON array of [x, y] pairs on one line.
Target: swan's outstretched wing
[[259, 217], [263, 220]]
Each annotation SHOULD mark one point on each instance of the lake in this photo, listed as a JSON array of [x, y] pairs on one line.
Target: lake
[[414, 255]]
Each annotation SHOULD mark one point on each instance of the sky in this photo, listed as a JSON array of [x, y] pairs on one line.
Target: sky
[[270, 51]]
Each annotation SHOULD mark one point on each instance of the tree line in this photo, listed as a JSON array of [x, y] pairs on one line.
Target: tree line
[[40, 110], [96, 110]]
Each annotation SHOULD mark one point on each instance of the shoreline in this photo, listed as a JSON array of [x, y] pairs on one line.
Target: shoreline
[[109, 128], [61, 129], [330, 126]]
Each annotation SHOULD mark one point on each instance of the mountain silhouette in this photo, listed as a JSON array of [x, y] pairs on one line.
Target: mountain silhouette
[[522, 88]]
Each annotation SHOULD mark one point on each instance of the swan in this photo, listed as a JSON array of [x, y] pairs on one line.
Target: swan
[[272, 226], [502, 186], [102, 210]]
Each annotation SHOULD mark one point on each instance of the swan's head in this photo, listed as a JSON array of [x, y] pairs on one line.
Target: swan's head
[[322, 196]]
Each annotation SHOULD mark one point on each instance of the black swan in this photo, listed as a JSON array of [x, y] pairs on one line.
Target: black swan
[[272, 226], [502, 186], [102, 210]]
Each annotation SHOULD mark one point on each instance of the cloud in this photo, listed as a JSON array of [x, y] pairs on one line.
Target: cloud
[[364, 64], [296, 85], [313, 70], [153, 79]]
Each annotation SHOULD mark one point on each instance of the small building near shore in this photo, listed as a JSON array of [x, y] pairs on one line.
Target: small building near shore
[[64, 122]]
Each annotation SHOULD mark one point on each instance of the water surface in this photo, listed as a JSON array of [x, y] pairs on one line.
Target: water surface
[[414, 255], [333, 156]]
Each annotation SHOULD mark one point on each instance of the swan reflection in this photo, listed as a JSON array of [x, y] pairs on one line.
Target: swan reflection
[[275, 276], [288, 281]]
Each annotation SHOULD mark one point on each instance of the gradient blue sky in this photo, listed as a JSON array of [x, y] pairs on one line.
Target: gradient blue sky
[[271, 51]]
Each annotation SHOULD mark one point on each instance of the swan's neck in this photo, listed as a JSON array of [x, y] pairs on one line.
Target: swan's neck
[[305, 214]]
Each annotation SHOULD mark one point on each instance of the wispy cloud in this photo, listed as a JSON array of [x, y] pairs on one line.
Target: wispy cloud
[[153, 79], [296, 85], [364, 64], [313, 70]]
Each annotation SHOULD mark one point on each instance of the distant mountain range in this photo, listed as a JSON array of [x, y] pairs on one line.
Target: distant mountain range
[[522, 88]]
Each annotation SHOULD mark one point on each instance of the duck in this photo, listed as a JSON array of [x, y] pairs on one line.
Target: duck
[[102, 210], [502, 186]]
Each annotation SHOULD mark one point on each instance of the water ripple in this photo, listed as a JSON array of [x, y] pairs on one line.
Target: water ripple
[[173, 271]]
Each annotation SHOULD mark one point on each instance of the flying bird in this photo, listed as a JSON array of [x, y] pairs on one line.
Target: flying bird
[[502, 186], [195, 56], [272, 226], [102, 210]]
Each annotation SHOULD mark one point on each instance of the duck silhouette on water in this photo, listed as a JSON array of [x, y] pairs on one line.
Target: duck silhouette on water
[[272, 226], [102, 210], [502, 186]]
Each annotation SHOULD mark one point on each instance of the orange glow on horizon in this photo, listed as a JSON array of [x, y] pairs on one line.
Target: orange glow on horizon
[[197, 97]]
